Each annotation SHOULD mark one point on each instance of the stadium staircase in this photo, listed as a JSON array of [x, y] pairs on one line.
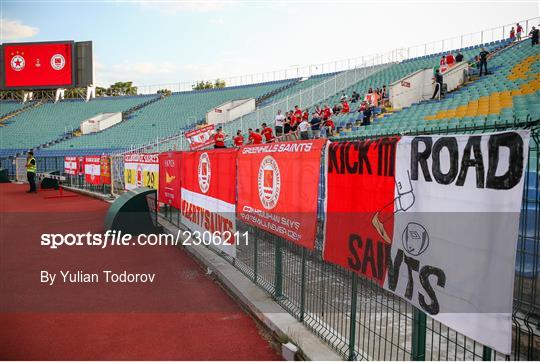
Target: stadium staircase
[[270, 95], [4, 119]]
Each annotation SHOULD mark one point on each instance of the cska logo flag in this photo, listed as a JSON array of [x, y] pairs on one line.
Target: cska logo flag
[[208, 195], [169, 178], [278, 185], [92, 169], [435, 222]]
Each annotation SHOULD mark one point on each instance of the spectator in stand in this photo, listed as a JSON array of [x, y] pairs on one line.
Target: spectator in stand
[[345, 107], [319, 111], [295, 120], [305, 115], [343, 97], [219, 138], [278, 123], [327, 112], [329, 127], [304, 127], [267, 133], [438, 82], [442, 62], [483, 60], [367, 116], [355, 96], [450, 60], [519, 30], [512, 34], [238, 139], [534, 36], [297, 112], [459, 57], [287, 126], [254, 137], [336, 109], [315, 125]]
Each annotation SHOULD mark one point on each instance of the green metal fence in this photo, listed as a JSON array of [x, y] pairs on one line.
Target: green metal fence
[[353, 314]]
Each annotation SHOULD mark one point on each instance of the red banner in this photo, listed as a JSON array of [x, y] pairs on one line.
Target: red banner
[[38, 64], [169, 178], [208, 195], [278, 187], [360, 205], [105, 170], [201, 137], [92, 169], [71, 165]]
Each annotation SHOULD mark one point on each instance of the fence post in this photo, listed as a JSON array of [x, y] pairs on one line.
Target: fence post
[[255, 261], [303, 286], [419, 335], [352, 322], [278, 270], [486, 354]]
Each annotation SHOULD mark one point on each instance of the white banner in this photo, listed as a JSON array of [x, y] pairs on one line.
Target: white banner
[[457, 205], [200, 212]]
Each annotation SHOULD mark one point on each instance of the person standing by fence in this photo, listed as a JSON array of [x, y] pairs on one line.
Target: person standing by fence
[[31, 168]]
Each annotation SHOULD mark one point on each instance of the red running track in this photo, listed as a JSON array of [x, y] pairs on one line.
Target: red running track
[[183, 316]]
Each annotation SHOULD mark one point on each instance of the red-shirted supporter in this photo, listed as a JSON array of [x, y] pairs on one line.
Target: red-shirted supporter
[[450, 59], [267, 133], [305, 115], [254, 137], [219, 138], [238, 139], [345, 107], [442, 61], [294, 122], [330, 126], [327, 112], [298, 113]]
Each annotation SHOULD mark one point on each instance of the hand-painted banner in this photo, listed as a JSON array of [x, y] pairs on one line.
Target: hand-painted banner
[[360, 198], [105, 170], [450, 246], [209, 194], [141, 169], [71, 165], [169, 178], [92, 169], [200, 137], [278, 187]]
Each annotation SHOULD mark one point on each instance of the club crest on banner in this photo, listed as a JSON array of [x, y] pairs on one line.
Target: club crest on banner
[[58, 62], [415, 239], [17, 63], [269, 182], [204, 172]]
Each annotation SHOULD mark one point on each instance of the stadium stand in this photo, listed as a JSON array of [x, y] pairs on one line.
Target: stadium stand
[[52, 122], [167, 117]]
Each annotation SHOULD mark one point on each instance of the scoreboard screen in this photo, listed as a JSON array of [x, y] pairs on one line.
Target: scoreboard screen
[[38, 65]]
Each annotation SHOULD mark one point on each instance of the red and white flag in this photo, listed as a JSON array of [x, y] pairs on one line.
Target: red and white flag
[[92, 169], [278, 186], [208, 196], [201, 137]]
